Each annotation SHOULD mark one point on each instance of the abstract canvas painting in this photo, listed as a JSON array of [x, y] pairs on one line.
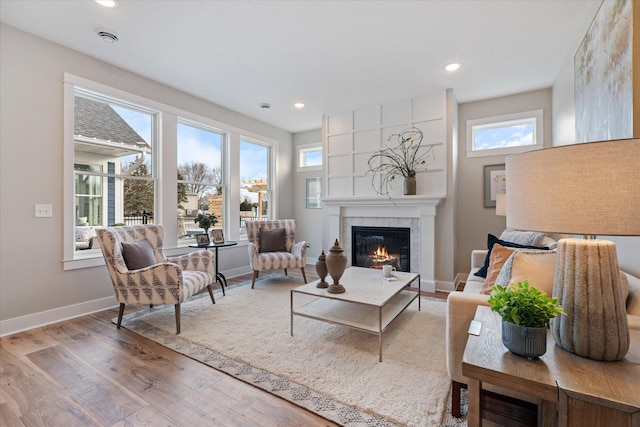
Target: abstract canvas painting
[[603, 75]]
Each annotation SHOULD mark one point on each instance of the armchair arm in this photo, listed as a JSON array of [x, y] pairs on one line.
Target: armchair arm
[[253, 254], [461, 309], [299, 250], [201, 260], [132, 286]]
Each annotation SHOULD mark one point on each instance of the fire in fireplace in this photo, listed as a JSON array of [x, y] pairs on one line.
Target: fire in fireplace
[[374, 247]]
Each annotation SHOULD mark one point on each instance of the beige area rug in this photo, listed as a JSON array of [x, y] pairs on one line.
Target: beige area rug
[[328, 369]]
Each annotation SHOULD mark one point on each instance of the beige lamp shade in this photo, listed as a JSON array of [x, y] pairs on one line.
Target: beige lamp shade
[[588, 189]]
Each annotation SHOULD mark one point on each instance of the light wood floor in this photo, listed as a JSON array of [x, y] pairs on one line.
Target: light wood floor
[[85, 372]]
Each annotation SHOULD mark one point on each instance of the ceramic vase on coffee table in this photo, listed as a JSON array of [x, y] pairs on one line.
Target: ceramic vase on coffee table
[[336, 263], [321, 269]]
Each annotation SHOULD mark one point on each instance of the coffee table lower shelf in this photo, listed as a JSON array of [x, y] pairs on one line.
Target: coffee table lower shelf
[[368, 318]]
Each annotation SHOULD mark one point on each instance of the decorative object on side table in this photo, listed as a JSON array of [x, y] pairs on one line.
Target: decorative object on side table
[[205, 221], [403, 159], [321, 269], [585, 189], [525, 311], [336, 263]]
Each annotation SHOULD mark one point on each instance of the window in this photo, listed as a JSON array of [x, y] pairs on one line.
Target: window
[[507, 134], [113, 164], [255, 184], [310, 157], [200, 177], [114, 173]]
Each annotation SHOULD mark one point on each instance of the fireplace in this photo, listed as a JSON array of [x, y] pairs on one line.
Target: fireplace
[[373, 247]]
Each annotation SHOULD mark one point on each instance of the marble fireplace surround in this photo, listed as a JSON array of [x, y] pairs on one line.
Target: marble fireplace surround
[[415, 212]]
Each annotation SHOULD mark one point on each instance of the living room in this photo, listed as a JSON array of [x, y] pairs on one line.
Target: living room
[[38, 288]]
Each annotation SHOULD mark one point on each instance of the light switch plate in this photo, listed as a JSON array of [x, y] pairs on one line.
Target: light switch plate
[[44, 211]]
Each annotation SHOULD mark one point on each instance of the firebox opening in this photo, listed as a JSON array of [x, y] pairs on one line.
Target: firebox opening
[[373, 247]]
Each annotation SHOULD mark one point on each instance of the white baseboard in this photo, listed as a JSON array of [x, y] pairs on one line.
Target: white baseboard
[[35, 320], [445, 286]]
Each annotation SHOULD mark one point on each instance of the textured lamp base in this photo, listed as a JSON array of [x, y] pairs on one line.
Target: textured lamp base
[[587, 285]]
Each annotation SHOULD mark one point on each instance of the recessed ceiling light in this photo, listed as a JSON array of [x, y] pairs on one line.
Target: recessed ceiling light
[[265, 106], [454, 66], [107, 3], [107, 36], [298, 105]]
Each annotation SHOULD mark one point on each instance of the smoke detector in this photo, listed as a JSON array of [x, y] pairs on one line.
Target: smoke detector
[[107, 36]]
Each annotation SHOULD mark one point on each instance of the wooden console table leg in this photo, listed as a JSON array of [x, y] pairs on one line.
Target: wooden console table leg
[[474, 413]]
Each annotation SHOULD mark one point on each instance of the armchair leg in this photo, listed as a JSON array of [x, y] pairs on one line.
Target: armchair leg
[[255, 276], [120, 313], [285, 272], [213, 300], [455, 398], [177, 319], [304, 276]]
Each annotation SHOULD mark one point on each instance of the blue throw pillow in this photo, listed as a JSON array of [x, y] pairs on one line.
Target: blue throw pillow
[[492, 240]]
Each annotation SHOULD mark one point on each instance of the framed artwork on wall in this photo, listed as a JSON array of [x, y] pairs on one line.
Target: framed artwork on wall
[[494, 183], [314, 193], [606, 95]]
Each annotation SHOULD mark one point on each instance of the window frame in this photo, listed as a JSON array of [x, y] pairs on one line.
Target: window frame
[[165, 169], [271, 175], [306, 148], [533, 116], [224, 136]]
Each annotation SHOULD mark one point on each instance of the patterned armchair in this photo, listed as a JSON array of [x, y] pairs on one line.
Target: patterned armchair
[[272, 245], [164, 280]]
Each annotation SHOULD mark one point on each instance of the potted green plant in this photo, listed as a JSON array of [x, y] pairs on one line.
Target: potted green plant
[[205, 221], [525, 311], [404, 158]]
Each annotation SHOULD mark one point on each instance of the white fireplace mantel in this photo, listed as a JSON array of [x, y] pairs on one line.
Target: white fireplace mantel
[[421, 208]]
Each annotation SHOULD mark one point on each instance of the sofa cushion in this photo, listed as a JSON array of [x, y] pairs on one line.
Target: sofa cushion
[[138, 255], [536, 267], [492, 240], [530, 238], [272, 240], [499, 255]]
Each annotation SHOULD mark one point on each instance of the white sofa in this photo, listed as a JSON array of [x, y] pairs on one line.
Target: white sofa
[[461, 308]]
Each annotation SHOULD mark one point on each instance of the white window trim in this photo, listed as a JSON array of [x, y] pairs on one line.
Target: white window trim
[[538, 132], [307, 147], [166, 164]]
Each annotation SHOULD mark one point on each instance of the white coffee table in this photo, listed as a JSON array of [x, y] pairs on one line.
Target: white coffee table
[[370, 303]]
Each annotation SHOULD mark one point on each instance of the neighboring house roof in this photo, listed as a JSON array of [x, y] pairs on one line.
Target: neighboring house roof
[[98, 120]]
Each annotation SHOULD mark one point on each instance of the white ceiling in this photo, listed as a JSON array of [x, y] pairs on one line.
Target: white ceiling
[[332, 55]]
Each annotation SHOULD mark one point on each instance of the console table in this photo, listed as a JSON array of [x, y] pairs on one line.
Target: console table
[[571, 390]]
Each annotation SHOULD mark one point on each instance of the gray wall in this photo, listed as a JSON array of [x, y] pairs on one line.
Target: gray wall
[[309, 221], [32, 280], [473, 220]]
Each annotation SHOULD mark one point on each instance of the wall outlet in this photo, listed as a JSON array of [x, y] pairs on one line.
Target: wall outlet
[[44, 211]]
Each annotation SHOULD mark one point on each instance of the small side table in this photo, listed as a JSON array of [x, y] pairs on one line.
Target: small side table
[[571, 390], [219, 276]]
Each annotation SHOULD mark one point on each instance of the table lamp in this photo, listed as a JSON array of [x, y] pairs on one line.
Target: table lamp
[[582, 189]]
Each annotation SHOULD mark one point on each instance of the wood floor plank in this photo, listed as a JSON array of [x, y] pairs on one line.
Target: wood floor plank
[[33, 398], [7, 417], [108, 402]]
